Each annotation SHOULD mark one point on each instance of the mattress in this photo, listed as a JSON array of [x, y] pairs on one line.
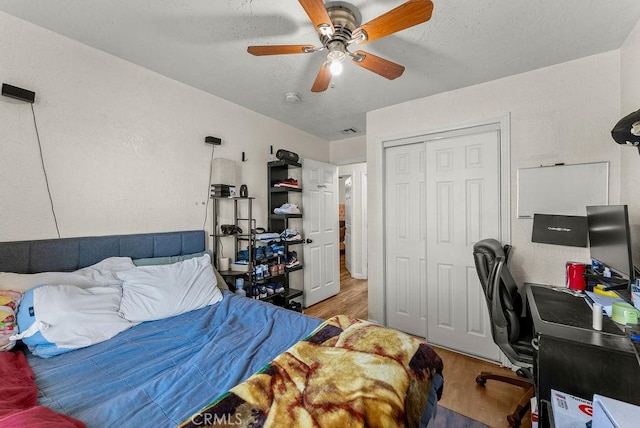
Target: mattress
[[161, 372]]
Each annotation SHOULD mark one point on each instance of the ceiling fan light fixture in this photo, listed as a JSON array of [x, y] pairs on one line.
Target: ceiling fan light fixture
[[335, 67], [336, 56]]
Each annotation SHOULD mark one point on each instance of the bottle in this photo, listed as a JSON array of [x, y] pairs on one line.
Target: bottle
[[597, 316], [239, 290]]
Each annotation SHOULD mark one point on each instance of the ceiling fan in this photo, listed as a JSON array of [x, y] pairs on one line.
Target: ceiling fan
[[338, 26]]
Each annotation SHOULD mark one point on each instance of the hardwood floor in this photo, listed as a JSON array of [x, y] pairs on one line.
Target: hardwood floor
[[351, 300], [489, 404]]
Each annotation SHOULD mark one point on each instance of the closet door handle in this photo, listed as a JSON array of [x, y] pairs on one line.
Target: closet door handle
[[321, 186]]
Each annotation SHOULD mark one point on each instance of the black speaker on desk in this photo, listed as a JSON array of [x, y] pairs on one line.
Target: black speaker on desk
[[567, 230]]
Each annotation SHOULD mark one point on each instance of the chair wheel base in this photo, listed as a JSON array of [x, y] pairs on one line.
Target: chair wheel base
[[513, 422]]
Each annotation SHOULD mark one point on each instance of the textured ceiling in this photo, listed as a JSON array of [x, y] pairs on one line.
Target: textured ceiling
[[203, 43]]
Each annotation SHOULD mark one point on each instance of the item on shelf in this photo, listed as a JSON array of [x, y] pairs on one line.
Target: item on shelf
[[243, 256], [290, 235], [257, 272], [295, 306], [259, 253], [273, 269], [289, 182], [244, 192], [274, 288], [239, 266], [223, 263], [283, 154], [222, 190], [268, 236], [268, 252], [292, 259], [287, 209], [280, 268], [277, 249], [239, 287], [263, 291], [230, 229]]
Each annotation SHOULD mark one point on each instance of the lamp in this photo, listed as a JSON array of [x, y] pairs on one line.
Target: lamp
[[224, 172]]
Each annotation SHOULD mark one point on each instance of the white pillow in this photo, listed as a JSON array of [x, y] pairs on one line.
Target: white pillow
[[156, 292], [100, 274], [54, 319]]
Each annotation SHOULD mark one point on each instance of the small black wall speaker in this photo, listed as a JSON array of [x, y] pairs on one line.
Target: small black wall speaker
[[560, 230], [18, 93], [212, 140], [283, 154]]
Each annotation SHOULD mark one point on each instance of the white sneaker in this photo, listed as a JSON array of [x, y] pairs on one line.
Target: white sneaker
[[287, 209]]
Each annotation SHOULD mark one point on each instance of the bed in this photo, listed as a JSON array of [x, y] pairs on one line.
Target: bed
[[234, 362]]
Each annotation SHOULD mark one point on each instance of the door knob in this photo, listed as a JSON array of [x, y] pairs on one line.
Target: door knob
[[309, 241]]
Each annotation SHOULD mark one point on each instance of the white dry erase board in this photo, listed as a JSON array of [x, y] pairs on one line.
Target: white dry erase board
[[562, 189]]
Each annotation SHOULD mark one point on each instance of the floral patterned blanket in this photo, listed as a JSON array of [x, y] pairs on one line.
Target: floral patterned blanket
[[347, 373]]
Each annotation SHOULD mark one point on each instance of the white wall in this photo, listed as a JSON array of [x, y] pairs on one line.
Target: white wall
[[562, 113], [123, 146], [630, 102], [358, 255], [349, 150]]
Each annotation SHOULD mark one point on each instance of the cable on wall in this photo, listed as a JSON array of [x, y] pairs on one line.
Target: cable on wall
[[206, 210], [44, 169]]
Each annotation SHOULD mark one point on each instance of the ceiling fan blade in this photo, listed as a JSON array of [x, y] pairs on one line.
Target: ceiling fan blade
[[322, 79], [381, 66], [406, 15], [318, 15], [280, 49]]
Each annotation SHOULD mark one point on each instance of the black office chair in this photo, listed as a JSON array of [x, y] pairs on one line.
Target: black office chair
[[511, 331]]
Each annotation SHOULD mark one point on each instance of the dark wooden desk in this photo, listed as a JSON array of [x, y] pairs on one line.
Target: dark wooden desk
[[572, 357]]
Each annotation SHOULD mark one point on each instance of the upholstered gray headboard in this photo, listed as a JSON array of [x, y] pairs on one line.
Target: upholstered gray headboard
[[68, 254]]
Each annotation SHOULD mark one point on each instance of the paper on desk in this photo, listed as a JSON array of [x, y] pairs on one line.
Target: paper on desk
[[570, 411], [605, 301]]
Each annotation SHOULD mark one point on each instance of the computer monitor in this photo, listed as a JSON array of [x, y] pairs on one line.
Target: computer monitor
[[610, 238]]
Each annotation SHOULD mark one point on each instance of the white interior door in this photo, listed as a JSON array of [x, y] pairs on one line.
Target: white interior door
[[405, 222], [348, 213], [321, 230], [463, 206]]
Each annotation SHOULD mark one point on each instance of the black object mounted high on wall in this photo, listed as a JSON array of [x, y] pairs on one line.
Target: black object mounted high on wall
[[627, 130], [18, 93]]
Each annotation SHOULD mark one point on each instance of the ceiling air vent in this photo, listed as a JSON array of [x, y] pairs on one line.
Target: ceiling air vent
[[349, 131]]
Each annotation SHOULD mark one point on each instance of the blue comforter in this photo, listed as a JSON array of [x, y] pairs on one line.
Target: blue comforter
[[159, 373]]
